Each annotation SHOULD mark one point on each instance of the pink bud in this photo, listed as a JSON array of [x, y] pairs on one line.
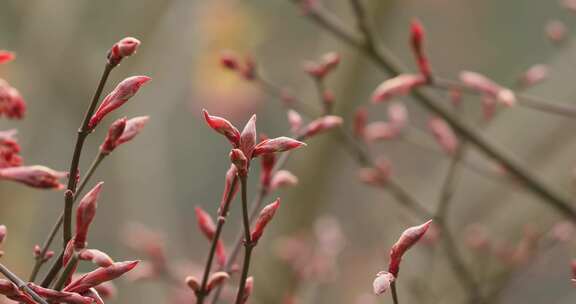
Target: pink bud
[[193, 283], [60, 296], [569, 5], [360, 121], [230, 189], [556, 31], [295, 121], [248, 137], [119, 96], [217, 279], [444, 135], [397, 86], [321, 124], [331, 60], [221, 256], [560, 232], [133, 127], [486, 86], [248, 70], [408, 238], [379, 175], [267, 162], [398, 115], [96, 256], [85, 214], [229, 60], [100, 276], [3, 233], [6, 56], [239, 160], [34, 176], [12, 104], [534, 75], [223, 127], [114, 132], [123, 48], [382, 282], [205, 223], [379, 130], [326, 64], [282, 179], [417, 41], [248, 289], [263, 219], [278, 144]]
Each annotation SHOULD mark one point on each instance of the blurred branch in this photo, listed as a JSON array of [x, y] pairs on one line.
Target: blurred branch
[[388, 62], [21, 284]]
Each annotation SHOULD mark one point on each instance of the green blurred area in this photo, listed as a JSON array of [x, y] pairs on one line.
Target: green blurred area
[[178, 163]]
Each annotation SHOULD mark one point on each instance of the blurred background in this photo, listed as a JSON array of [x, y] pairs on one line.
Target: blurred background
[[178, 163]]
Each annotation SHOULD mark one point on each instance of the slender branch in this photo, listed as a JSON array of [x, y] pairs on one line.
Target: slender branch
[[248, 244], [40, 260], [202, 293], [73, 172], [21, 284], [387, 62], [394, 293]]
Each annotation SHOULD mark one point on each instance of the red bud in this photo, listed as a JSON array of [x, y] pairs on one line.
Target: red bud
[[6, 56], [239, 160], [417, 42], [205, 223], [248, 137], [34, 176], [278, 144], [408, 238], [12, 104], [119, 96], [9, 149], [263, 219], [96, 256], [216, 279], [230, 189], [123, 48], [229, 60], [397, 86], [295, 121], [223, 127], [487, 87], [114, 132], [85, 214], [444, 135], [321, 124], [100, 276]]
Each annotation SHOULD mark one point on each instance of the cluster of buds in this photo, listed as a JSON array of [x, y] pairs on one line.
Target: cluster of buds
[[407, 239], [125, 90], [244, 144], [121, 131], [9, 149], [12, 104], [324, 66], [246, 68], [123, 48], [34, 176]]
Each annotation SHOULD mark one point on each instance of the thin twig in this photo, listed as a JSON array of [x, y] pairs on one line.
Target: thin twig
[[248, 244], [21, 284], [202, 293]]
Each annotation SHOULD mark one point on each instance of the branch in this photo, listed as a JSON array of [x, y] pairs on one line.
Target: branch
[[21, 284]]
